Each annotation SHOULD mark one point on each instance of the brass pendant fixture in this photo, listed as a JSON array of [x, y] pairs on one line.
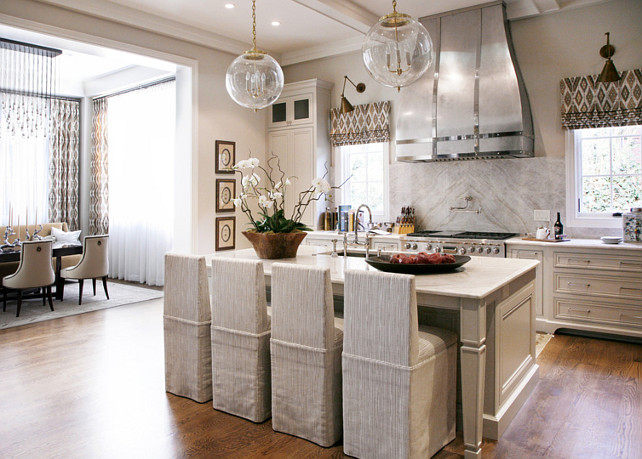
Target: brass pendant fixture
[[346, 106], [609, 72], [254, 79], [397, 50]]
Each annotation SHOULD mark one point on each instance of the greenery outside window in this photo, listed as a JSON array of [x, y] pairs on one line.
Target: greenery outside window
[[604, 174], [367, 164]]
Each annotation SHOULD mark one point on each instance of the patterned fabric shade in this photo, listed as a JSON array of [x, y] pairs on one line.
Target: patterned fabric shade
[[64, 141], [99, 186], [586, 103], [367, 123]]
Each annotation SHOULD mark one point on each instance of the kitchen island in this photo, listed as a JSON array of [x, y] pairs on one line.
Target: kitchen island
[[488, 303]]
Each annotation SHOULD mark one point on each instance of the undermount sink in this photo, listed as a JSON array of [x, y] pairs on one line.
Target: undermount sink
[[340, 253]]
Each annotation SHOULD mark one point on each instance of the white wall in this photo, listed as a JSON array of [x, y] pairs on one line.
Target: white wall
[[215, 115]]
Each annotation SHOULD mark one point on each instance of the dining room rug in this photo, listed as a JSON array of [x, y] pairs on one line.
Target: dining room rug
[[33, 311], [541, 340]]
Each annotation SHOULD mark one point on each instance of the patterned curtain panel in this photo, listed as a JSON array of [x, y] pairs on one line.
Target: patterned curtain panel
[[367, 123], [586, 103], [99, 185], [63, 165]]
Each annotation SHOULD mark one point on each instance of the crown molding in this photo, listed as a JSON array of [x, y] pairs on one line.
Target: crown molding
[[345, 13], [318, 52], [152, 23]]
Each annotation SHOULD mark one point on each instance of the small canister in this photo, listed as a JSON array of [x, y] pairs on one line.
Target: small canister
[[632, 225]]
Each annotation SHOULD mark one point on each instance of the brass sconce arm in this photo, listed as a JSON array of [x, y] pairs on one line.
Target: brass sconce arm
[[346, 106]]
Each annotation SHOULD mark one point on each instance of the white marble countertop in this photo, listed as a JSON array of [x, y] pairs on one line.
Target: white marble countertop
[[578, 244], [478, 278]]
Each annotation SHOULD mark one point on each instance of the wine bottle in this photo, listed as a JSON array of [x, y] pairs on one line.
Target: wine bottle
[[558, 227]]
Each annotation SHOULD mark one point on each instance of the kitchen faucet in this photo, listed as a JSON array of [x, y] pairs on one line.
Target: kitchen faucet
[[356, 231]]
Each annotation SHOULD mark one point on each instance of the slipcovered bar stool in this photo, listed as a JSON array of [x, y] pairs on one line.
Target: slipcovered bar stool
[[399, 379], [186, 322], [240, 339], [93, 265], [34, 271], [306, 355]]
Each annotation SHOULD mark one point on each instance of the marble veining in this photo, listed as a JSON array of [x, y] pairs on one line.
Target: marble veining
[[507, 191]]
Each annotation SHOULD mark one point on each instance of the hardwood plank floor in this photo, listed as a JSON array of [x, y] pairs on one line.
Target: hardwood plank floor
[[92, 386]]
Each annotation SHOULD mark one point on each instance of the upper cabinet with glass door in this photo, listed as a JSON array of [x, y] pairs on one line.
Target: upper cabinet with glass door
[[296, 106]]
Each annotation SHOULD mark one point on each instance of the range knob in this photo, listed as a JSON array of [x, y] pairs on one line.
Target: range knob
[[437, 249], [407, 245], [428, 247], [487, 249], [496, 250], [462, 251]]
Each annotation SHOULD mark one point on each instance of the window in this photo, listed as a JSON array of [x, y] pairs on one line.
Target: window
[[367, 165], [604, 174]]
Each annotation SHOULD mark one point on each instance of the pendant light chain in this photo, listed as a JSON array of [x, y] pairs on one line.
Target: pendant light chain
[[253, 25]]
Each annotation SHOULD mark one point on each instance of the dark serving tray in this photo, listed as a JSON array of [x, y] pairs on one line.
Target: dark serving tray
[[382, 263]]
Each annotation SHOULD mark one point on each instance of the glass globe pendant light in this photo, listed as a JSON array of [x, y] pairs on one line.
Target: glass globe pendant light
[[397, 50], [254, 79]]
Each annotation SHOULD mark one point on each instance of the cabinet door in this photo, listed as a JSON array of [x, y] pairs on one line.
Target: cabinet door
[[539, 290], [291, 111], [295, 149], [301, 165]]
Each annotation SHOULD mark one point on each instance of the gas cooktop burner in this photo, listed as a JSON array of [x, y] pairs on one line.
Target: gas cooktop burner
[[463, 235]]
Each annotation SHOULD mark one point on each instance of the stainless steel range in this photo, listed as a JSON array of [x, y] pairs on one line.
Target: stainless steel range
[[457, 242]]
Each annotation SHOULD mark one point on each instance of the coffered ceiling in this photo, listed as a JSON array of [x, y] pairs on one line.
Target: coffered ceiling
[[308, 29]]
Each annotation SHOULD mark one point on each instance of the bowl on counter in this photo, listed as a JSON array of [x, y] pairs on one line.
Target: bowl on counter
[[611, 239]]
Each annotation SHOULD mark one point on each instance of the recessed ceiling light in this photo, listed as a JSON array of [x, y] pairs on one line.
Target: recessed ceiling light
[[229, 6], [276, 23]]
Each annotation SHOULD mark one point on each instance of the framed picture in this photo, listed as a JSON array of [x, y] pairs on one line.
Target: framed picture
[[225, 157], [225, 193], [225, 233]]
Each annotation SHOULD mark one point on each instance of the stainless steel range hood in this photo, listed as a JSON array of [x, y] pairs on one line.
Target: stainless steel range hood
[[472, 103]]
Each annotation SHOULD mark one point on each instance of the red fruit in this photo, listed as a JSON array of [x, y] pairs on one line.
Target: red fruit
[[396, 258], [448, 258], [423, 258], [434, 258]]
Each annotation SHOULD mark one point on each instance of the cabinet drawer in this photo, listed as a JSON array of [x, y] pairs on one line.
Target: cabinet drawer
[[598, 312], [602, 262], [598, 286], [388, 246]]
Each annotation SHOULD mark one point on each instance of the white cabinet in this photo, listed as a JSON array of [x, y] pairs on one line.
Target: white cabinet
[[298, 134], [533, 254], [585, 286]]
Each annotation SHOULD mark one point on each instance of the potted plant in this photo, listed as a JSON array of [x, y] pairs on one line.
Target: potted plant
[[273, 233]]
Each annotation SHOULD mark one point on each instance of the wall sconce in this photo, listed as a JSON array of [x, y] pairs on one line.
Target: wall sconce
[[346, 106], [609, 72]]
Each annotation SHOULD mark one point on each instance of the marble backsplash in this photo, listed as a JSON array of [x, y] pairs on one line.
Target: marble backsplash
[[506, 190]]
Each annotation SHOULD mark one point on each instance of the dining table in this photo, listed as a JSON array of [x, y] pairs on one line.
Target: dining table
[[58, 251], [489, 303]]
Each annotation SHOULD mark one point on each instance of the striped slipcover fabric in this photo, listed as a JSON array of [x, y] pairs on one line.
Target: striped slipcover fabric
[[399, 379], [306, 354], [186, 319], [240, 339]]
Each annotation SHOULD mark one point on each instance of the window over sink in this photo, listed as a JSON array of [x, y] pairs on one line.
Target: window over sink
[[367, 165], [604, 174]]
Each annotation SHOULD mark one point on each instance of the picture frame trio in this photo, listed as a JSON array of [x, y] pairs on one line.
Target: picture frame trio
[[225, 193]]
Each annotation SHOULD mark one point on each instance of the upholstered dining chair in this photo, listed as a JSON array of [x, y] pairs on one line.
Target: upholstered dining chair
[[34, 271], [399, 378], [240, 339], [305, 354], [93, 265], [186, 323]]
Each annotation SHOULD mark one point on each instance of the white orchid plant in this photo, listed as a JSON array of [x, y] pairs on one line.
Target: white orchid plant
[[270, 196]]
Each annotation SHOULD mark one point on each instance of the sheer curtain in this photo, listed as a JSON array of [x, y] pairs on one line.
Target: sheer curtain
[[140, 132], [24, 167]]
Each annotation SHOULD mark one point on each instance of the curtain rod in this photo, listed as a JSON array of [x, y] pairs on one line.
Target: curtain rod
[[33, 94], [14, 46], [136, 88]]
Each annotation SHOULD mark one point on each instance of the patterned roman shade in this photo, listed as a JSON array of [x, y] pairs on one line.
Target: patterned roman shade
[[586, 103], [367, 123]]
